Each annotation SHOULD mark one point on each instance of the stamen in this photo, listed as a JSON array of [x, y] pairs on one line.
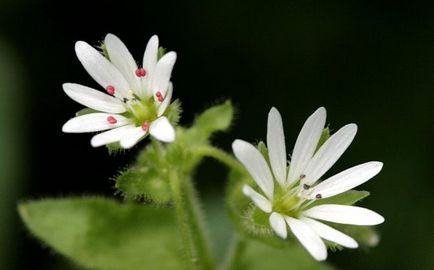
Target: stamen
[[140, 72], [302, 176], [306, 186], [125, 100], [318, 196], [110, 89], [136, 97], [112, 120], [145, 126], [159, 96]]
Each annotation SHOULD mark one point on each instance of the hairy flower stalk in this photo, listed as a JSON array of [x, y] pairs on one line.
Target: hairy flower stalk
[[289, 202], [136, 98]]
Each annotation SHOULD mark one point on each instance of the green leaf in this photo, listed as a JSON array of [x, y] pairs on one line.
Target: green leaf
[[217, 118], [258, 256], [349, 197], [99, 233]]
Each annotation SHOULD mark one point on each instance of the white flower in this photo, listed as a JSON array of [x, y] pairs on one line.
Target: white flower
[[136, 98], [288, 202]]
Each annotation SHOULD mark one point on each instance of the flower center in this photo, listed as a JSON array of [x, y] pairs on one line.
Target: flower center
[[287, 202], [141, 111]]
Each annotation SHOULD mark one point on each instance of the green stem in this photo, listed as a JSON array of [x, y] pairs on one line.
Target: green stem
[[189, 217], [220, 155], [234, 254], [199, 235], [183, 222]]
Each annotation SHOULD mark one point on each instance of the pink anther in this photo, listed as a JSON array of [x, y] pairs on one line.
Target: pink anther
[[159, 96], [110, 89], [140, 72], [111, 120], [145, 126]]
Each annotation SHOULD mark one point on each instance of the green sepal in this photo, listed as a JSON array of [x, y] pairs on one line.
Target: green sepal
[[258, 256], [364, 235], [325, 135], [99, 233], [161, 52], [148, 179], [248, 220], [85, 111], [262, 148], [103, 50], [114, 148], [349, 197], [173, 112]]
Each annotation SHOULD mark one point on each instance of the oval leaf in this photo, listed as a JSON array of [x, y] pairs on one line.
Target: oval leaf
[[99, 233]]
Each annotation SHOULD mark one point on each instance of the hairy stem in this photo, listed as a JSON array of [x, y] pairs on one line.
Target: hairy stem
[[190, 220], [183, 222], [220, 155], [234, 254], [199, 233]]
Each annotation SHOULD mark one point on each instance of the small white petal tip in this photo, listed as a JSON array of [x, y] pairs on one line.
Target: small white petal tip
[[162, 130], [278, 224]]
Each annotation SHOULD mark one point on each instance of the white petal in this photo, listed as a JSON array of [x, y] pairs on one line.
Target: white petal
[[277, 223], [162, 130], [149, 63], [347, 179], [93, 99], [330, 234], [276, 145], [255, 165], [150, 56], [259, 200], [329, 153], [308, 238], [110, 136], [131, 137], [101, 70], [344, 214], [93, 122], [163, 71], [166, 101], [123, 60], [307, 142]]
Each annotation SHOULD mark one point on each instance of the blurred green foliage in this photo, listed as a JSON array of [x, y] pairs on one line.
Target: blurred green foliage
[[11, 153], [99, 233]]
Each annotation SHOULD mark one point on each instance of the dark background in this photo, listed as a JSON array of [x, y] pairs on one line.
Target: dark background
[[368, 62]]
